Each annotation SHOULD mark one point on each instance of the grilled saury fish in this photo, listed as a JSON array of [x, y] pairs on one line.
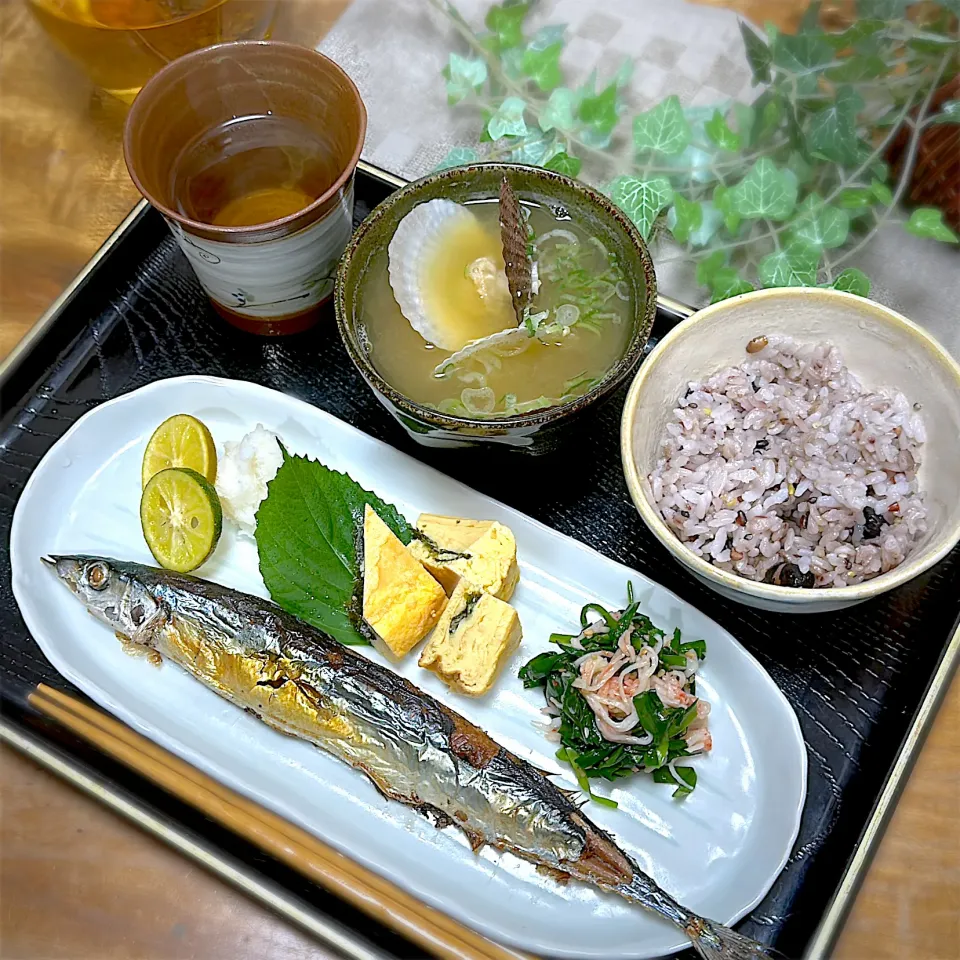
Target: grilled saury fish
[[415, 750]]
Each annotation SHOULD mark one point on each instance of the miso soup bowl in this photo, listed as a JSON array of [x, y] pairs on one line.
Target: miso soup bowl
[[542, 430], [880, 347]]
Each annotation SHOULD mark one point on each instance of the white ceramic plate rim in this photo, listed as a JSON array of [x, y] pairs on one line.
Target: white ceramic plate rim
[[90, 686]]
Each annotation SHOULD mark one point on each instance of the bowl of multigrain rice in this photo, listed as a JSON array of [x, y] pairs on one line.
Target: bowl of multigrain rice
[[797, 449]]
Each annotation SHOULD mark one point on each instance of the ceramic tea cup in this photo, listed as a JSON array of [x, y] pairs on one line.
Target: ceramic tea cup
[[248, 150]]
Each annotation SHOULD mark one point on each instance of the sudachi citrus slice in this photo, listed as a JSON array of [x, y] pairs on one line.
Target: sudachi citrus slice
[[180, 441], [181, 518]]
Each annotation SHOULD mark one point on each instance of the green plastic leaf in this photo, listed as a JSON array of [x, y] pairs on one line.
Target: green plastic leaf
[[508, 120], [723, 201], [307, 532], [794, 266], [769, 115], [624, 74], [928, 222], [852, 280], [801, 54], [745, 117], [800, 166], [599, 111], [457, 157], [506, 22], [820, 227], [881, 191], [810, 22], [708, 267], [832, 132], [857, 68], [664, 128], [534, 150], [758, 54], [855, 198], [718, 130], [765, 192], [726, 282], [543, 66], [464, 77], [882, 9], [641, 200], [710, 220], [931, 44], [855, 33], [685, 216], [564, 163], [547, 36], [560, 111], [949, 112]]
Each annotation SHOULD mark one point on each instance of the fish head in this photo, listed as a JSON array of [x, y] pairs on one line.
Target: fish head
[[115, 596]]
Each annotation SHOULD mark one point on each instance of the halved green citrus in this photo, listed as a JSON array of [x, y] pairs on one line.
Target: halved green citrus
[[181, 518], [180, 441]]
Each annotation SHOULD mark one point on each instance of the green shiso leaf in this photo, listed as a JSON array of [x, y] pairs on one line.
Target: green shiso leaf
[[308, 528]]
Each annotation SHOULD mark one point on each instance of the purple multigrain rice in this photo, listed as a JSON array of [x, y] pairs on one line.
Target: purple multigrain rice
[[787, 459]]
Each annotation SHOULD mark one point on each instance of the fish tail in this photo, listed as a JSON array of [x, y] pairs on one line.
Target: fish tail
[[712, 941]]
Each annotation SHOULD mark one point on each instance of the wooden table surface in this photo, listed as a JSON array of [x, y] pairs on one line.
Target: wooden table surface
[[79, 883]]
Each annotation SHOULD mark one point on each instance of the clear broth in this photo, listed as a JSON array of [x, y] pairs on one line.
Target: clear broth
[[547, 372]]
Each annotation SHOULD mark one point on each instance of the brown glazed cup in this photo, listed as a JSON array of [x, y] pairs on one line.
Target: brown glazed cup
[[268, 278]]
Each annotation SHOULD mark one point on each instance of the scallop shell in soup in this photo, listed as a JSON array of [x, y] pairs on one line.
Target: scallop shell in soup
[[419, 235]]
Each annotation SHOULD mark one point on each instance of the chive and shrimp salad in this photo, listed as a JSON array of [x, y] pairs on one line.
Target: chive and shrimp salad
[[622, 698]]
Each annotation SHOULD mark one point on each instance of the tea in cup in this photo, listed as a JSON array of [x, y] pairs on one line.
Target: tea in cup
[[248, 150]]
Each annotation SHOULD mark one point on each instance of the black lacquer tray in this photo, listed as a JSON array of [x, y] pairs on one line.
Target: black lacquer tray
[[864, 682]]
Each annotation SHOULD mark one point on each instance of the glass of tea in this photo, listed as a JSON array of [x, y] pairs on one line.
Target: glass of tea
[[122, 43], [248, 150]]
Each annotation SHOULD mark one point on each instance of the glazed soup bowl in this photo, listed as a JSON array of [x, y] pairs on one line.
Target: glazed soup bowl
[[538, 431], [880, 347]]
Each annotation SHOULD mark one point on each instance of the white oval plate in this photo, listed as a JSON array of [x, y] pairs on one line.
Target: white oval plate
[[717, 852]]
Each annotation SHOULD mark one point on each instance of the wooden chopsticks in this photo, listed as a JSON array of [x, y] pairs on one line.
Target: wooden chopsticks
[[430, 929]]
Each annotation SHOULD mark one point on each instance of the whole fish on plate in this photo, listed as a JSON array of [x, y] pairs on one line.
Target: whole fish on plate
[[413, 748]]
